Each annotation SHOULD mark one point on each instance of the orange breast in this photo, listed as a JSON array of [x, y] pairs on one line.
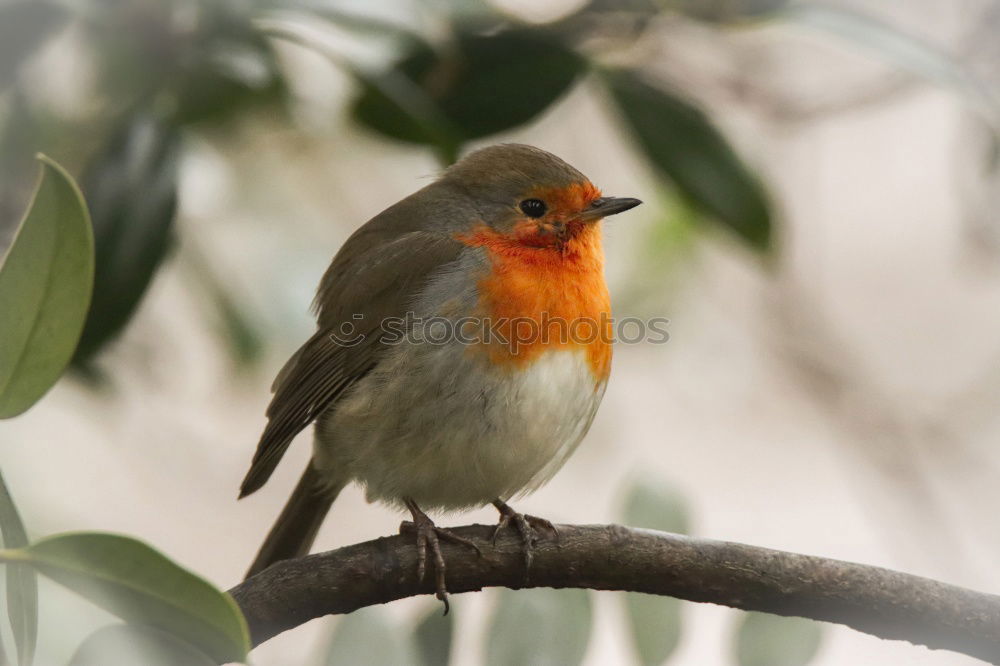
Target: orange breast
[[544, 298]]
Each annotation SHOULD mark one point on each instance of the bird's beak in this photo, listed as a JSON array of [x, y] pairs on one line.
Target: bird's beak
[[604, 206]]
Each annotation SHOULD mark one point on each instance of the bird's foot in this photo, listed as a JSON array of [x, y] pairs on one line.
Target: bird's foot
[[526, 526], [429, 537]]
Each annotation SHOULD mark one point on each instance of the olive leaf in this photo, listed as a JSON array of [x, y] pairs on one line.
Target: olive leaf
[[655, 621], [138, 584], [685, 147], [22, 588], [131, 187], [130, 644], [432, 637], [367, 636], [45, 289], [772, 640], [24, 27], [542, 627], [473, 87]]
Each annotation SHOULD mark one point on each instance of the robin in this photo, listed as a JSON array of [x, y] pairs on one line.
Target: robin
[[463, 347]]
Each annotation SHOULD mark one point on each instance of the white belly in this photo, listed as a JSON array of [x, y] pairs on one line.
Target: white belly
[[444, 427]]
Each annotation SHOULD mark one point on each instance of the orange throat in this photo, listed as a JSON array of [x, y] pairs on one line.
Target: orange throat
[[543, 293]]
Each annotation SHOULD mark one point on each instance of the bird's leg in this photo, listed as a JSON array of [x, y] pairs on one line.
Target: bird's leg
[[525, 525], [429, 537]]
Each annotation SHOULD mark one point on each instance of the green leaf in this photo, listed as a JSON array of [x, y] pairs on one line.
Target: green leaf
[[45, 287], [730, 11], [540, 627], [128, 578], [496, 83], [236, 326], [476, 86], [208, 66], [131, 644], [368, 637], [230, 73], [432, 636], [773, 640], [655, 620], [22, 588], [368, 19], [391, 103], [131, 187], [656, 506], [24, 27], [904, 50], [684, 146], [656, 626], [27, 127]]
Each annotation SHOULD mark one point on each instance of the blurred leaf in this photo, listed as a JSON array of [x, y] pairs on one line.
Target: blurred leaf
[[656, 506], [656, 626], [376, 19], [244, 339], [906, 51], [773, 640], [478, 16], [28, 127], [394, 105], [432, 636], [473, 87], [238, 328], [22, 588], [17, 164], [229, 73], [140, 585], [198, 61], [132, 191], [659, 267], [685, 146], [673, 232], [45, 285], [136, 45], [24, 27], [492, 84], [131, 644], [368, 637], [655, 620], [541, 627], [730, 11]]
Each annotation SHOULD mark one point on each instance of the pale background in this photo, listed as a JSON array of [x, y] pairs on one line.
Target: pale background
[[842, 405]]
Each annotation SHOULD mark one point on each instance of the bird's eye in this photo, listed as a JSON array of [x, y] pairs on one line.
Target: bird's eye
[[533, 207]]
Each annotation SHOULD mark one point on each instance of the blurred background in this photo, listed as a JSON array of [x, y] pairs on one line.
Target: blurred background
[[821, 228]]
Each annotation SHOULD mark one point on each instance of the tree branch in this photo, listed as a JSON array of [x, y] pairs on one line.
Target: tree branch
[[881, 602]]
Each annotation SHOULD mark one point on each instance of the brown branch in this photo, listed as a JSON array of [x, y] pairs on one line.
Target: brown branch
[[885, 603]]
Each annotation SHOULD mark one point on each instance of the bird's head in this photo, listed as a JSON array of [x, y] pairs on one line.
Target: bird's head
[[530, 197]]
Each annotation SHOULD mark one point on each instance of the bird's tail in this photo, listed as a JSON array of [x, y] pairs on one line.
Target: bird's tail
[[294, 531]]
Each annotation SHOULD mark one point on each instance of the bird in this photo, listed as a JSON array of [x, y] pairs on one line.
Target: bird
[[463, 345]]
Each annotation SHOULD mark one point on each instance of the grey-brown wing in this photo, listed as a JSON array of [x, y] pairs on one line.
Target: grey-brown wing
[[374, 277]]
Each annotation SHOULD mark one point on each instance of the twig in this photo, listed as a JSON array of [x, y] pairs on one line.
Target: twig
[[885, 603]]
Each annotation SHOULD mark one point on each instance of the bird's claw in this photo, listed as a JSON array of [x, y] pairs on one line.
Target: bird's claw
[[429, 538], [527, 527]]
